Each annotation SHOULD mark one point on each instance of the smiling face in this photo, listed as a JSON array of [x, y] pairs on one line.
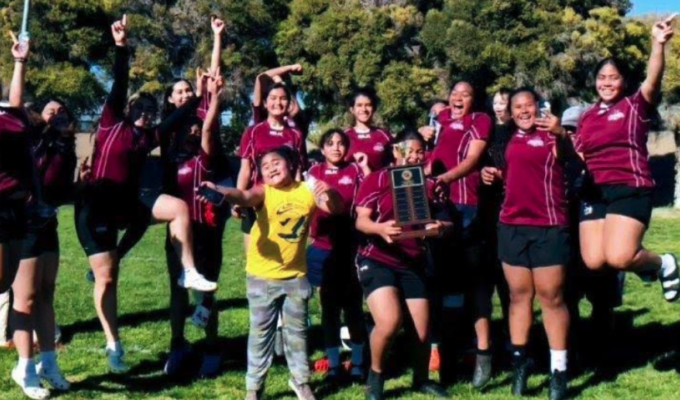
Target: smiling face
[[182, 92], [609, 83], [409, 152], [500, 107], [275, 170], [524, 109], [461, 99], [362, 109], [334, 149], [277, 103]]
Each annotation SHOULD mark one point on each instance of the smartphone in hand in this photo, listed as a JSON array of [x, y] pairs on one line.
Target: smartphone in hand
[[211, 195]]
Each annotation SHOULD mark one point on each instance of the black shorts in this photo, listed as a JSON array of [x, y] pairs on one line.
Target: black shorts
[[100, 214], [248, 220], [623, 200], [374, 275], [533, 246], [12, 221], [41, 238]]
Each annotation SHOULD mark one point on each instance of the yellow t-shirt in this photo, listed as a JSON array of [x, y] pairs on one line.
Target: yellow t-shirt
[[278, 239]]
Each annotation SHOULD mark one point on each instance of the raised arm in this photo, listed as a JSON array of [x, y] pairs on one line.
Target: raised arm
[[662, 32], [217, 28], [215, 85], [245, 198], [468, 165], [16, 90], [121, 68], [270, 76]]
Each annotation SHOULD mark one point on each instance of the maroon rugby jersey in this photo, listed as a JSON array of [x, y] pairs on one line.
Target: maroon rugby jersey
[[298, 121], [375, 144], [261, 138], [56, 161], [452, 148], [190, 174], [613, 141], [535, 189], [326, 230], [375, 193], [16, 161]]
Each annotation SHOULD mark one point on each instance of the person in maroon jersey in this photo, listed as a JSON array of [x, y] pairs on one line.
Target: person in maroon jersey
[[533, 234], [258, 139], [393, 272], [18, 194], [364, 137], [330, 255], [612, 137], [195, 162], [455, 162], [111, 197], [296, 118], [53, 144]]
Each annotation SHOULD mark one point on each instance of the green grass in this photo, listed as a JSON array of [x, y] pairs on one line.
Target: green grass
[[645, 368]]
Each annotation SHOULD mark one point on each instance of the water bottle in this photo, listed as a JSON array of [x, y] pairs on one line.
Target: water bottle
[[310, 181]]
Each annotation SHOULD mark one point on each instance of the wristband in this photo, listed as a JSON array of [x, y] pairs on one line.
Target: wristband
[[20, 60]]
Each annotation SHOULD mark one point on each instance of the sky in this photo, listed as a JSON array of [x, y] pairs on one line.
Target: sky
[[655, 6]]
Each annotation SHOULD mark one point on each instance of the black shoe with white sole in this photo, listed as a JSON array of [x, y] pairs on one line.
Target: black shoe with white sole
[[670, 282]]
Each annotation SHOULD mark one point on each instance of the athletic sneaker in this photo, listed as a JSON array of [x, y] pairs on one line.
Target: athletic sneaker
[[116, 363], [255, 394], [210, 367], [57, 334], [176, 361], [431, 389], [670, 278], [201, 316], [558, 385], [482, 373], [302, 391], [278, 342], [520, 376], [30, 385], [54, 377], [192, 279]]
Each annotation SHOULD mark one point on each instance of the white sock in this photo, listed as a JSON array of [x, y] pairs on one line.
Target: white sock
[[333, 354], [558, 360], [116, 347], [26, 366], [667, 265], [48, 360], [357, 353]]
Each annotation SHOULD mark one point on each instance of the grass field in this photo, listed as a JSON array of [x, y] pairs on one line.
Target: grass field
[[646, 365]]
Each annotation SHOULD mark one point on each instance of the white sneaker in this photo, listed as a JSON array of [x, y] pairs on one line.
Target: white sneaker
[[57, 334], [201, 316], [54, 377], [191, 279], [116, 363], [30, 385]]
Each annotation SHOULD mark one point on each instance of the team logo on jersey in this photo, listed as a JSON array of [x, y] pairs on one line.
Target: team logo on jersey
[[184, 170], [617, 115], [273, 132], [346, 180], [536, 142], [457, 125], [379, 147], [587, 209]]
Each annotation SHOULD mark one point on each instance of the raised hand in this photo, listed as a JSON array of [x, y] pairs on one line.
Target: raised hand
[[550, 123], [663, 31], [215, 82], [19, 50], [295, 68], [217, 25], [118, 30]]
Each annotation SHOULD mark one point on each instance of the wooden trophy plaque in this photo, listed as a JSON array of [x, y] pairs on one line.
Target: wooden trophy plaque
[[411, 205]]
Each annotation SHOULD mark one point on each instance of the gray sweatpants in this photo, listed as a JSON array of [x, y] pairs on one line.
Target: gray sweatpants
[[268, 299]]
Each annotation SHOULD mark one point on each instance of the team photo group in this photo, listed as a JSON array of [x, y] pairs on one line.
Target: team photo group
[[417, 229]]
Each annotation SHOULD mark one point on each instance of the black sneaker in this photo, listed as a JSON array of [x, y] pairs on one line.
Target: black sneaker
[[375, 385], [482, 374], [520, 376], [335, 375], [558, 385], [432, 389]]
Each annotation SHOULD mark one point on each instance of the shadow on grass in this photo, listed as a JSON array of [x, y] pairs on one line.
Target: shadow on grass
[[138, 318]]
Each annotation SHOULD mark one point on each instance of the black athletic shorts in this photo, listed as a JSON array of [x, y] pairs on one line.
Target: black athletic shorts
[[247, 220], [41, 237], [533, 246], [623, 200], [374, 275], [101, 212], [12, 220], [207, 252]]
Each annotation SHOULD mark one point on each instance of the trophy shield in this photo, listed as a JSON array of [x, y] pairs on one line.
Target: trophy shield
[[411, 204]]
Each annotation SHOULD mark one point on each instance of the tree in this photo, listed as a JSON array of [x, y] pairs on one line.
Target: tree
[[353, 44]]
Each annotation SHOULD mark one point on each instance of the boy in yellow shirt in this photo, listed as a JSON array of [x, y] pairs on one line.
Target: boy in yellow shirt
[[277, 267]]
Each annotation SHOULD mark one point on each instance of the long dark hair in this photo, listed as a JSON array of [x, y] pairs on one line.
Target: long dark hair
[[168, 107]]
